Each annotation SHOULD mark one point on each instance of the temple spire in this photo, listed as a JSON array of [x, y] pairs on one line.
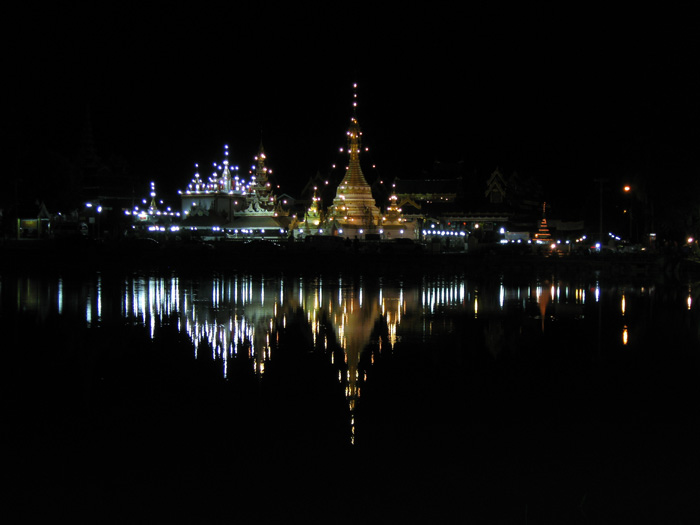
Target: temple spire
[[354, 176], [226, 175], [354, 133], [153, 207], [543, 231], [354, 209], [260, 168]]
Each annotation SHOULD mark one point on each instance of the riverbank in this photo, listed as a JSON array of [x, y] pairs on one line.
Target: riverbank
[[405, 260]]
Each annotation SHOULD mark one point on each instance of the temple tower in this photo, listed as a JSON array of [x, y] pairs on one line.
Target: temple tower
[[354, 212], [313, 216], [543, 231], [260, 183], [226, 180]]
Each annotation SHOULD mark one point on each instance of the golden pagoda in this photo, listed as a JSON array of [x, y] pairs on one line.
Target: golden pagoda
[[354, 212], [393, 224], [313, 216]]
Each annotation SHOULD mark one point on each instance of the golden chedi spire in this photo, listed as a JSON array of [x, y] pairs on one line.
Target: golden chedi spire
[[312, 217], [354, 207]]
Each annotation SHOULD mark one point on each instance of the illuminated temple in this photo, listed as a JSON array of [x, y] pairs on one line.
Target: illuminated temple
[[226, 202], [354, 213]]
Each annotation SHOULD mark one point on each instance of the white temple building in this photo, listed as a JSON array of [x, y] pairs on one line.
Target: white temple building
[[228, 204]]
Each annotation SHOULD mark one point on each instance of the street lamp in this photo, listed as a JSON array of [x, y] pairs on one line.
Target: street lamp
[[627, 189], [600, 182], [97, 207]]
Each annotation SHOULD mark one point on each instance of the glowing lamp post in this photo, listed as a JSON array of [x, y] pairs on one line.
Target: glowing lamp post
[[600, 182], [627, 190]]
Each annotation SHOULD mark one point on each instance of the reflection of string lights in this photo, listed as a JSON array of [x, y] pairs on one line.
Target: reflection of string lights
[[623, 304], [228, 322], [152, 299], [240, 317]]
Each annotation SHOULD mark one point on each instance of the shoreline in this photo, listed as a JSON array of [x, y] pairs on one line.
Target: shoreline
[[367, 258]]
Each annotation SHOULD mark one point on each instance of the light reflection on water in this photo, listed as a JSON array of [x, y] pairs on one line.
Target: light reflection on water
[[239, 316], [230, 314], [547, 390]]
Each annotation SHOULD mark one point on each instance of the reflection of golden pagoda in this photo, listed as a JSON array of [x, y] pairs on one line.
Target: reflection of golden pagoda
[[393, 307], [352, 314], [354, 322]]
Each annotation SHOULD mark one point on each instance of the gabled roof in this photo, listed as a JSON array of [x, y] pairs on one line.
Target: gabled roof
[[35, 210]]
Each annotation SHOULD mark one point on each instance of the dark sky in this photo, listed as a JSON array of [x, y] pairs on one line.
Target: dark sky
[[562, 96]]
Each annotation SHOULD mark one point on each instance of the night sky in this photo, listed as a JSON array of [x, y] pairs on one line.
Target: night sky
[[562, 96]]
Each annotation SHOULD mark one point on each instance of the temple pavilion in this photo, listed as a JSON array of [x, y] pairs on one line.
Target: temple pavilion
[[226, 203]]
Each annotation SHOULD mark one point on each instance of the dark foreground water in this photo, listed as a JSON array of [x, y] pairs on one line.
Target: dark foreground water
[[147, 398]]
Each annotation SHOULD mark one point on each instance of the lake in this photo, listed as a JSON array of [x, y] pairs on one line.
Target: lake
[[214, 396]]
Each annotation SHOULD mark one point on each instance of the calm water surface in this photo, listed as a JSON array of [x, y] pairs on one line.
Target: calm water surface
[[342, 399]]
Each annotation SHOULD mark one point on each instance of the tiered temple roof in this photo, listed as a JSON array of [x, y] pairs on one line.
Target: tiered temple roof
[[543, 231]]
